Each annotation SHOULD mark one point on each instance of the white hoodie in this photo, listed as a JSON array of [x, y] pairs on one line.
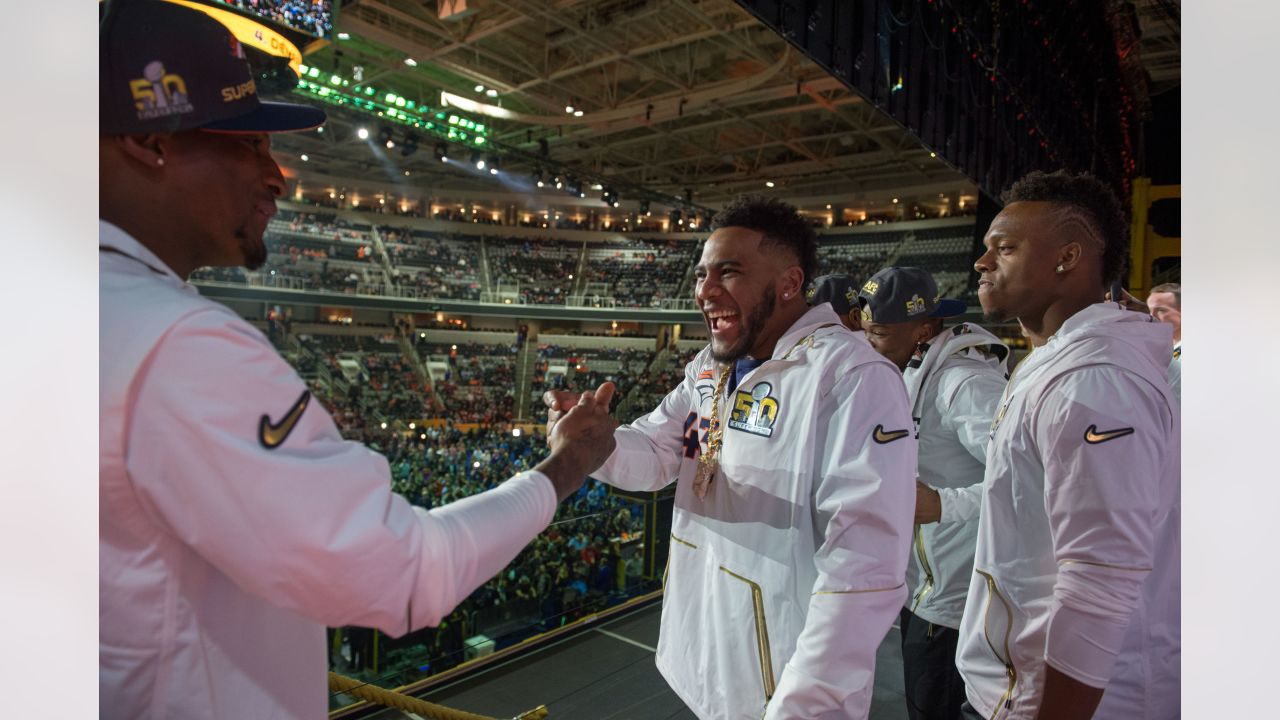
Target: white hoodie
[[954, 391], [1077, 561], [792, 565]]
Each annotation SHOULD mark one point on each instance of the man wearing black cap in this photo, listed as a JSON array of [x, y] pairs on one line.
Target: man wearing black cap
[[954, 378], [842, 292], [235, 523]]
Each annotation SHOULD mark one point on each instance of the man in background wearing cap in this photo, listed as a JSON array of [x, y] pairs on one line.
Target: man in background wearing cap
[[842, 292], [954, 379], [1073, 610], [235, 523]]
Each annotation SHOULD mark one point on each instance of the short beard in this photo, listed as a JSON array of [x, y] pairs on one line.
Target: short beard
[[255, 254], [752, 327]]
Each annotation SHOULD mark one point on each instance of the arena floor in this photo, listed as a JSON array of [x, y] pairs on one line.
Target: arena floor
[[608, 674]]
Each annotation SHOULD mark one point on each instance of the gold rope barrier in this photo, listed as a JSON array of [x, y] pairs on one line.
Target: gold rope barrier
[[390, 698]]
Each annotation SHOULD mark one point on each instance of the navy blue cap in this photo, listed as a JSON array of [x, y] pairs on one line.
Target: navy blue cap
[[164, 68], [901, 294], [839, 290]]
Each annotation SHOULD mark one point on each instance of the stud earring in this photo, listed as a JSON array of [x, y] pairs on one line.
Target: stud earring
[[160, 161], [1061, 269]]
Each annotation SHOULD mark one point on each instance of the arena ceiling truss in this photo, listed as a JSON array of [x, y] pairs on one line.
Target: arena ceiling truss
[[674, 95]]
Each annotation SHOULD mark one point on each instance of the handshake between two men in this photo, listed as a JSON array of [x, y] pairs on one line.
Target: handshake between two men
[[579, 434]]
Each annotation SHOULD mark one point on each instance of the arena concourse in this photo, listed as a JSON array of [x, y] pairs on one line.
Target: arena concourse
[[510, 196]]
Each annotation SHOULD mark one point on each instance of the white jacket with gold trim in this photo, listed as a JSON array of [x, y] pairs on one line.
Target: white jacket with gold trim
[[785, 578], [1077, 562], [235, 523], [954, 392]]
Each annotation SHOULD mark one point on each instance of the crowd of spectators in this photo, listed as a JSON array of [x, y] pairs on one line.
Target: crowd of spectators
[[579, 565], [639, 272], [311, 16], [541, 269], [586, 369], [434, 265], [654, 383], [479, 384]]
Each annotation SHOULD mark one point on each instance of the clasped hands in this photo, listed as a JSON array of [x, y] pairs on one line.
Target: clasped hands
[[580, 435]]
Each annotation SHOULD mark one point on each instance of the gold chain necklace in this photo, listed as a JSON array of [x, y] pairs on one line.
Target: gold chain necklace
[[708, 462]]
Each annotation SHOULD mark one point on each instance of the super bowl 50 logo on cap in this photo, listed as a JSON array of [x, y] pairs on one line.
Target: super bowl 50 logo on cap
[[755, 412], [158, 93]]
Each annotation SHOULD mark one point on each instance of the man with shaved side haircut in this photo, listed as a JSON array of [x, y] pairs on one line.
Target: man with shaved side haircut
[[1073, 609]]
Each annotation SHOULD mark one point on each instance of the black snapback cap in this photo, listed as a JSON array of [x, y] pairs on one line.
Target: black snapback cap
[[839, 290], [163, 68], [900, 294]]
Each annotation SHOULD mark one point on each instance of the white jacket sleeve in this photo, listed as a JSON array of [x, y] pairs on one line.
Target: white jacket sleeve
[[649, 451], [968, 411], [296, 515], [1101, 432], [864, 505]]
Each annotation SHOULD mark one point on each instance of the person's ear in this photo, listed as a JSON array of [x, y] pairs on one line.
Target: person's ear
[[146, 150], [1069, 256], [792, 282]]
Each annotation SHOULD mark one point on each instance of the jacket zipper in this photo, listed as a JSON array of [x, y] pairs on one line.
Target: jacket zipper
[[1006, 700], [762, 635], [928, 571]]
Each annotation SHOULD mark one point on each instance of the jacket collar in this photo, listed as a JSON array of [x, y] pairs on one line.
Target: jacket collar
[[816, 317], [115, 240]]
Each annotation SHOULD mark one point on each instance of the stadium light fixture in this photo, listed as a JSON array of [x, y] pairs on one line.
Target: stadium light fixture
[[410, 145], [362, 133], [305, 158], [577, 113], [344, 36], [479, 88], [568, 109], [412, 426], [491, 93], [768, 183], [442, 152], [411, 62], [384, 426]]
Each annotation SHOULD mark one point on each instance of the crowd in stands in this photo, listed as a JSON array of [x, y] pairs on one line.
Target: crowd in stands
[[575, 567], [310, 16], [656, 382], [540, 269], [639, 272], [585, 369], [434, 266], [321, 251], [479, 384]]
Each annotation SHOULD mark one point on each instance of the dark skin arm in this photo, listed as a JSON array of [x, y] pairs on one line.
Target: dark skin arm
[[1066, 698]]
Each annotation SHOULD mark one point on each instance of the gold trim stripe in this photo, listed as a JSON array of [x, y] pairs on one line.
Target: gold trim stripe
[[1106, 565], [683, 542], [1006, 700], [762, 634], [858, 592]]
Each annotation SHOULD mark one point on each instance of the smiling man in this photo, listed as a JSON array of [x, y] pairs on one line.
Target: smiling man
[[1073, 608], [235, 522], [790, 442]]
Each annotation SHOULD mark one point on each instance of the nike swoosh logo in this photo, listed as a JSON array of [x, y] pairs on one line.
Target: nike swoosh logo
[[1093, 437], [884, 438], [271, 435]]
